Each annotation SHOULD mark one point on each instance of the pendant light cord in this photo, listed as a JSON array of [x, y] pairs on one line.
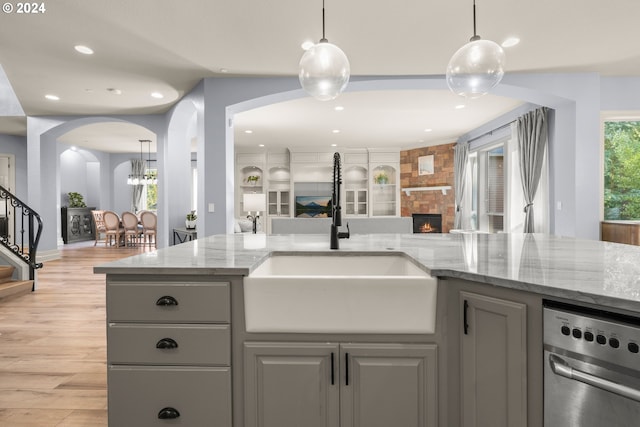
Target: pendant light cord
[[324, 40], [475, 33]]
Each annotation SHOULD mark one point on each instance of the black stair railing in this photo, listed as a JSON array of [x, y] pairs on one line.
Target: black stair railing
[[20, 229]]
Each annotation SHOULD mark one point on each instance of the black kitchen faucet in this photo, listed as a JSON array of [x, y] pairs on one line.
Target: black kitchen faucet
[[336, 211]]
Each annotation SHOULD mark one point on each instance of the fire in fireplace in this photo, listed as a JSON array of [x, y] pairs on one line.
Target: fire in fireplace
[[427, 223]]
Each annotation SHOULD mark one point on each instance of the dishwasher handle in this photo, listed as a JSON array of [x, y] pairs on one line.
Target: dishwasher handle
[[560, 367]]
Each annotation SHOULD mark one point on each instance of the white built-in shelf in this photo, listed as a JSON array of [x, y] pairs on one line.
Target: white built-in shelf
[[442, 188]]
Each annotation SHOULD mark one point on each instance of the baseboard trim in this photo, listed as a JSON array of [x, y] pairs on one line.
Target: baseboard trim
[[51, 255]]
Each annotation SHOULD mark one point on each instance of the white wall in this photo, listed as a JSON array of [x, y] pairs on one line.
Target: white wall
[[77, 174]]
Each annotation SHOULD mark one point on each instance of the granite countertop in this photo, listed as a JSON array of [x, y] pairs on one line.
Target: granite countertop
[[602, 273]]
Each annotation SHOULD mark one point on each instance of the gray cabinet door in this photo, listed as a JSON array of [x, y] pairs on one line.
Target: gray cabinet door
[[290, 385], [388, 385], [494, 361]]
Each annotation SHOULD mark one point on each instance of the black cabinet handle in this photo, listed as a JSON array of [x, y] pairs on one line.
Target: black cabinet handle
[[168, 414], [466, 320], [333, 378], [346, 369], [167, 344], [166, 301]]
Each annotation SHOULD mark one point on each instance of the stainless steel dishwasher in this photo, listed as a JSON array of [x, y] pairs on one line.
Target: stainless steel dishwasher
[[592, 367]]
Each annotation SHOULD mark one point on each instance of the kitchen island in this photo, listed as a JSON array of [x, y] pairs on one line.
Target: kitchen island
[[226, 371]]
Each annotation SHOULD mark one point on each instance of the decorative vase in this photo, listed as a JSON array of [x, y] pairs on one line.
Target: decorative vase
[[190, 224]]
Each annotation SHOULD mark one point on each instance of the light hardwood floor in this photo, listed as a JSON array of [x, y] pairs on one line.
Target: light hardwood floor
[[53, 344]]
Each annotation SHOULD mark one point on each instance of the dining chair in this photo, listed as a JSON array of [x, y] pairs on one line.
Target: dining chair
[[99, 227], [131, 231], [149, 222], [112, 226]]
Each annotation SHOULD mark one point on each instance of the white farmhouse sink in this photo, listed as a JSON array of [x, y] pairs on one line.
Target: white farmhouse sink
[[340, 293]]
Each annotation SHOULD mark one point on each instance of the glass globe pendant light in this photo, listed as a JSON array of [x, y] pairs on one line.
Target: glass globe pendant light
[[324, 69], [476, 67]]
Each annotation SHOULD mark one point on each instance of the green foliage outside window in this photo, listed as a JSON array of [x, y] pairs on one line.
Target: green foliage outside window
[[622, 170], [152, 191]]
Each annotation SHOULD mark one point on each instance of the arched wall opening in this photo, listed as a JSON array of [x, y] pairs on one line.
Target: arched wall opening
[[564, 122], [44, 170]]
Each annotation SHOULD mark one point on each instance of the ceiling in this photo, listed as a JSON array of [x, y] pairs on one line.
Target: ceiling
[[168, 46]]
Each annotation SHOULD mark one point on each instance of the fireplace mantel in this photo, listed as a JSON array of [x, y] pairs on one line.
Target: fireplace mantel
[[442, 188]]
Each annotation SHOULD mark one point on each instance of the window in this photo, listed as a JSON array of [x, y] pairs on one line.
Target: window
[[494, 201], [622, 170], [495, 189], [486, 198], [150, 196]]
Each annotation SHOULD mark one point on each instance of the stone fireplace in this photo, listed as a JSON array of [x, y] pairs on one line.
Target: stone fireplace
[[427, 223]]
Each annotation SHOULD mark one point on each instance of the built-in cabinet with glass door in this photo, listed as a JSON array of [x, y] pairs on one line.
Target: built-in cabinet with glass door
[[355, 177], [384, 169], [278, 193]]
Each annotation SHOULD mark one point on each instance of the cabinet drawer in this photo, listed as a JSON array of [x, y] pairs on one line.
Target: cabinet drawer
[[201, 396], [170, 302], [168, 344]]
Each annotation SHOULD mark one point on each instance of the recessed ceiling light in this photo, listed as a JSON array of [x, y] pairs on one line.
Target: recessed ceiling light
[[85, 50], [334, 145], [248, 131], [157, 95], [51, 97], [459, 107], [260, 145], [338, 108], [224, 70], [336, 131], [307, 45], [428, 130], [511, 41]]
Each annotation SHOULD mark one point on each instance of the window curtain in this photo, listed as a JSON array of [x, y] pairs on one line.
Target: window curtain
[[460, 158], [137, 169], [532, 142]]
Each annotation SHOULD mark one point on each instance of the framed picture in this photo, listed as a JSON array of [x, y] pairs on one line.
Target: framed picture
[[425, 165], [313, 206]]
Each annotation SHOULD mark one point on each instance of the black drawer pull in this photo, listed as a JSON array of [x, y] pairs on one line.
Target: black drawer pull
[[166, 301], [166, 343], [168, 414]]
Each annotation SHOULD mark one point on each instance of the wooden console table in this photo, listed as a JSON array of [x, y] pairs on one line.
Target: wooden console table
[[620, 232]]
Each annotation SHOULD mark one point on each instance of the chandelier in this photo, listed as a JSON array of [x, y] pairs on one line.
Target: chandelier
[[148, 177]]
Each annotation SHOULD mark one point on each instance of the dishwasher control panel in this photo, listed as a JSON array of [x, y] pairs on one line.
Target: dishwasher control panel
[[610, 337]]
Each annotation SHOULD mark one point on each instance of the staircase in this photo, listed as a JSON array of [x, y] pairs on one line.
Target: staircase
[[10, 287], [20, 230]]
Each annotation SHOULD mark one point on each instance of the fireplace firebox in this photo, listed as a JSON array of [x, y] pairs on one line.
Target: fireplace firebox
[[427, 223]]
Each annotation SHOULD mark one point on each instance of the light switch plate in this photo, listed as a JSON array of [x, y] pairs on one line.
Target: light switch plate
[[211, 207]]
